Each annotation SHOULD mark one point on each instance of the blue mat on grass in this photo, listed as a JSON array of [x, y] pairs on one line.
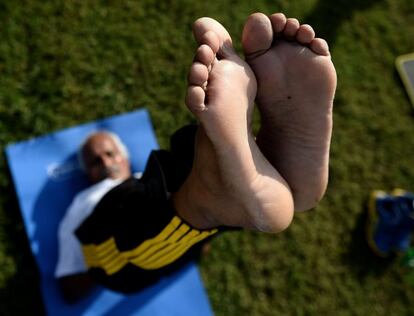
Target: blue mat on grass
[[46, 176]]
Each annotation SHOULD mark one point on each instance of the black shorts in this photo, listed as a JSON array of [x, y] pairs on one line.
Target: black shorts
[[134, 236]]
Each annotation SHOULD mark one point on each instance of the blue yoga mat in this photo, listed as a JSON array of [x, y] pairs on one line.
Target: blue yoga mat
[[47, 176]]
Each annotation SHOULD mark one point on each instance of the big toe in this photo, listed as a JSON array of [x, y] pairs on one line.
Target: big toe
[[204, 26], [257, 35]]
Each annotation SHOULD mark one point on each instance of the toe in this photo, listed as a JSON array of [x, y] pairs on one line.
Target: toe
[[319, 46], [305, 34], [257, 35], [205, 55], [210, 39], [195, 99], [278, 22], [291, 28], [205, 27], [198, 74]]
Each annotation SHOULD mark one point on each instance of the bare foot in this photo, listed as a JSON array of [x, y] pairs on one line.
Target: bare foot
[[231, 182], [296, 86]]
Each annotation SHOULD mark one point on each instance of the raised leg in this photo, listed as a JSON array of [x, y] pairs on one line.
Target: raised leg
[[231, 182]]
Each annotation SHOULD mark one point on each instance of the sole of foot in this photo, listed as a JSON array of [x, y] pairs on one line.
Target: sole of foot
[[296, 85]]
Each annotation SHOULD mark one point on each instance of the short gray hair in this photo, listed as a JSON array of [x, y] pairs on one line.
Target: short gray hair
[[115, 138]]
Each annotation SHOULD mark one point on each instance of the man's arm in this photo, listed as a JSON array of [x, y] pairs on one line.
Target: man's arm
[[75, 286], [71, 272]]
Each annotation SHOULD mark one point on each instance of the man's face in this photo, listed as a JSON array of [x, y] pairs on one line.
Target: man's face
[[103, 159]]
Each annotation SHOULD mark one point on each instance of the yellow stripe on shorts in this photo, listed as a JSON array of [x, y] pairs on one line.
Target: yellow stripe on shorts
[[169, 245]]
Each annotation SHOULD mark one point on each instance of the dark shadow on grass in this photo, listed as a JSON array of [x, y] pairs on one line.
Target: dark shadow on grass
[[21, 295], [361, 259], [398, 79], [327, 16]]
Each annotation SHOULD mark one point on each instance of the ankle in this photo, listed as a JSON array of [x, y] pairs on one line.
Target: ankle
[[188, 207]]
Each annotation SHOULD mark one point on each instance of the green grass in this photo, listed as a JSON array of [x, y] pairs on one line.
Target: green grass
[[64, 63]]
